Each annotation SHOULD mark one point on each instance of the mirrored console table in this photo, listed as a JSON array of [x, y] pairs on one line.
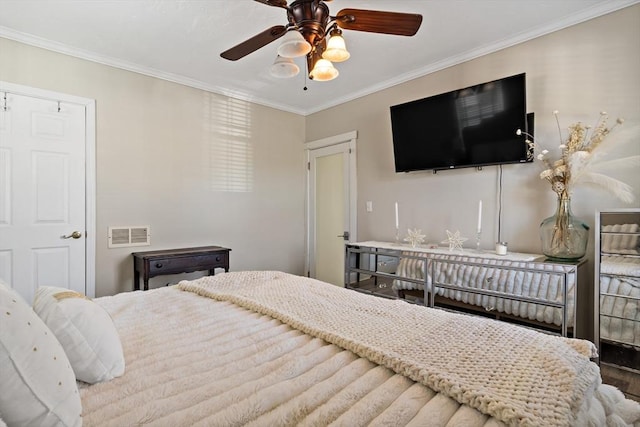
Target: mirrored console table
[[617, 287], [519, 288]]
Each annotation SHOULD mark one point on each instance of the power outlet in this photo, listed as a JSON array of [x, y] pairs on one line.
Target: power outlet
[[369, 206]]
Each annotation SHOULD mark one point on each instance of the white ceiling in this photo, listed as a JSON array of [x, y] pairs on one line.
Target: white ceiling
[[181, 40]]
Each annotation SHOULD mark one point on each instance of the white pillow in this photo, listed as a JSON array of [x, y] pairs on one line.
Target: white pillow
[[37, 382], [85, 330]]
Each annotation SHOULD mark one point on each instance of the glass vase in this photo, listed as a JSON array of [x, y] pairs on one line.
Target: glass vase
[[564, 237]]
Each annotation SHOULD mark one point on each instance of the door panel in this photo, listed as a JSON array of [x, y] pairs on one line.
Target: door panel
[[5, 185], [330, 218], [42, 194], [6, 256], [49, 126], [50, 190], [51, 267]]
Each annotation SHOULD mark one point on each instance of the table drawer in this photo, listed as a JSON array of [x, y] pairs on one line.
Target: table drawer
[[186, 264]]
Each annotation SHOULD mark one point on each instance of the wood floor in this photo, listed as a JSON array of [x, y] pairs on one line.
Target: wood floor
[[627, 381]]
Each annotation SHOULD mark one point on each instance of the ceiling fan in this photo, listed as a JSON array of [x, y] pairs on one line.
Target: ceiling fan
[[313, 32]]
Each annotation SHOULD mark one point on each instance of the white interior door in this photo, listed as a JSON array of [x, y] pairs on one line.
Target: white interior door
[[331, 206], [42, 194]]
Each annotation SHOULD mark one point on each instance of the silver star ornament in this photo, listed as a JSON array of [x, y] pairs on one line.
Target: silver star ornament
[[415, 237], [454, 240]]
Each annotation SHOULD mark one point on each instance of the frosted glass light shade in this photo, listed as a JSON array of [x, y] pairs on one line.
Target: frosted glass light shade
[[336, 49], [293, 45], [323, 71], [284, 68]]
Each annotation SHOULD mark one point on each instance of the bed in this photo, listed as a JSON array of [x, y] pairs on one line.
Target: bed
[[270, 348]]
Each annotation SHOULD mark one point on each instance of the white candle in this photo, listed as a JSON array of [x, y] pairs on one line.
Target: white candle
[[480, 217], [397, 223], [501, 248]]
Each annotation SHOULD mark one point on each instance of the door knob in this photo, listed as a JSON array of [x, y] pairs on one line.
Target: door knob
[[345, 235], [75, 235]]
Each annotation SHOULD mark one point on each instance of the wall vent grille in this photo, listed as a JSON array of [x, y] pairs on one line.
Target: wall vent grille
[[120, 237]]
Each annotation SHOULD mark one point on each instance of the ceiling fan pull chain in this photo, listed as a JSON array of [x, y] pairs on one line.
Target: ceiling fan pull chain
[[306, 67]]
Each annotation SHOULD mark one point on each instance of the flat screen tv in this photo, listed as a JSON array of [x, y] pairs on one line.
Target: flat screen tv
[[471, 127]]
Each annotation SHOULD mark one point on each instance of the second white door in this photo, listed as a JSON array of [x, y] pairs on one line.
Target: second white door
[[331, 208]]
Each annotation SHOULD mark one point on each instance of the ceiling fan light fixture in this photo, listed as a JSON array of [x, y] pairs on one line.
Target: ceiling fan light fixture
[[293, 45], [323, 71], [284, 68], [336, 50]]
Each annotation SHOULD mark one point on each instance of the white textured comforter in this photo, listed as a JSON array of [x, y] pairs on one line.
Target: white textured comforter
[[195, 361]]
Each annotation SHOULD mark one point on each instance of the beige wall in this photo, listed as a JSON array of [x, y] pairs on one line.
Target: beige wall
[[155, 138], [579, 71], [155, 145]]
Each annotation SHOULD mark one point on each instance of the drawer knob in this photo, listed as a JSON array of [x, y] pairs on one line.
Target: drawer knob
[[158, 265], [218, 258]]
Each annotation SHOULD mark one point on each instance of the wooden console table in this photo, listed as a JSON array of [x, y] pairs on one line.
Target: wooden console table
[[173, 261]]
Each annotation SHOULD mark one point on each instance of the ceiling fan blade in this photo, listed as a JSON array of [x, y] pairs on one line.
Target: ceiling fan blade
[[373, 21], [254, 43], [276, 3]]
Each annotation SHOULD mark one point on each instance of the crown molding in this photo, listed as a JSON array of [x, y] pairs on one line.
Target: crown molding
[[587, 14], [54, 46]]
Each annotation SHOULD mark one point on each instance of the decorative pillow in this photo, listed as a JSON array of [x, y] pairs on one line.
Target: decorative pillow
[[85, 330], [38, 385]]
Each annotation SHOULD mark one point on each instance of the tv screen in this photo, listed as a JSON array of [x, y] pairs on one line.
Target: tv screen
[[471, 127]]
